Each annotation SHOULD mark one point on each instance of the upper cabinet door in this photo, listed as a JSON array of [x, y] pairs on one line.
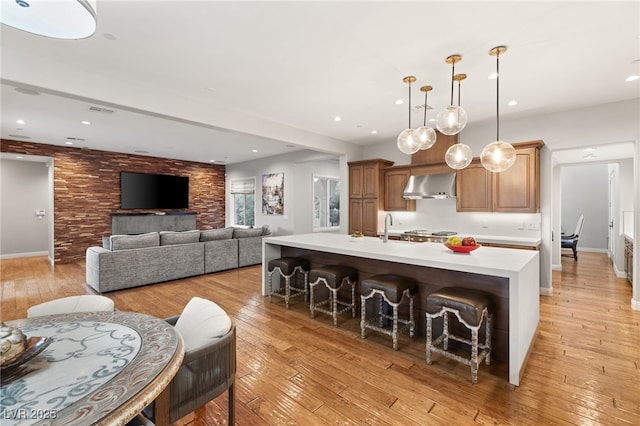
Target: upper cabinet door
[[394, 183], [516, 189], [371, 180], [473, 188], [355, 181]]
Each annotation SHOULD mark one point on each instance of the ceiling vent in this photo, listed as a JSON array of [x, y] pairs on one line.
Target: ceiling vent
[[69, 138], [100, 109], [19, 136]]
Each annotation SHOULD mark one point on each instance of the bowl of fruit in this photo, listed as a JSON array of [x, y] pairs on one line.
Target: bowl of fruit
[[461, 245], [357, 236]]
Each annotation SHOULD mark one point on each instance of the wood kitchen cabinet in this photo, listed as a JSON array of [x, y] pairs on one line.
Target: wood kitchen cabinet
[[516, 190], [628, 259], [366, 195], [395, 180]]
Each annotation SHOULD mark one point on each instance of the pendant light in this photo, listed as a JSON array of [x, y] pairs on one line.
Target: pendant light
[[425, 135], [64, 19], [459, 155], [452, 119], [498, 156], [407, 143]]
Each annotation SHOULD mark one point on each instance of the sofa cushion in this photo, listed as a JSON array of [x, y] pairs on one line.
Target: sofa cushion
[[247, 232], [127, 242], [168, 238], [216, 234], [201, 322], [266, 230]]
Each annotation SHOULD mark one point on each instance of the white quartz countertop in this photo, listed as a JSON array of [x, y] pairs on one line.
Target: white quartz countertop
[[495, 239], [494, 261]]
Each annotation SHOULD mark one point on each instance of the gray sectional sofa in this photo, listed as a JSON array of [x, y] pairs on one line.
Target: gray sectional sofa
[[126, 261]]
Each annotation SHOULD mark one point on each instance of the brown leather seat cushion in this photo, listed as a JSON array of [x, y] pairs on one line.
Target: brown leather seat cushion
[[392, 285], [333, 274], [469, 303], [287, 264]]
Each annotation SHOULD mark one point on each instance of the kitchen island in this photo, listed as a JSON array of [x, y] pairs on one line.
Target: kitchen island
[[509, 276]]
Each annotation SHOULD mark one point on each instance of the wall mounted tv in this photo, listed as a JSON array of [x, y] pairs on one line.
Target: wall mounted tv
[[151, 191]]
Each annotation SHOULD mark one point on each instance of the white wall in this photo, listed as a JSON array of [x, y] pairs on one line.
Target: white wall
[[585, 191], [298, 168], [24, 187]]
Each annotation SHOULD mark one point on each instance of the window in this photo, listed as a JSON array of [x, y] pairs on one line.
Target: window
[[326, 203], [243, 200]]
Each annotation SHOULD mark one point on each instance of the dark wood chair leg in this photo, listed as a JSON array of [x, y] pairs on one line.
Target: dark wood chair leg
[[232, 404]]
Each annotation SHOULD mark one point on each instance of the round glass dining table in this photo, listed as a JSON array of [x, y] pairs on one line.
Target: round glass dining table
[[100, 368]]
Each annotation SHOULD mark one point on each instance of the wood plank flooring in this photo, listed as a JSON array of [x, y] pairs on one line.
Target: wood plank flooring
[[584, 368]]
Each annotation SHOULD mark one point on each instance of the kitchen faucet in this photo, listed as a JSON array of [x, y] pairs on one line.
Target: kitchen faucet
[[387, 224]]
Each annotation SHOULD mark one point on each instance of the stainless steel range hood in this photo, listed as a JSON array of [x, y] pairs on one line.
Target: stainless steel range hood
[[442, 185]]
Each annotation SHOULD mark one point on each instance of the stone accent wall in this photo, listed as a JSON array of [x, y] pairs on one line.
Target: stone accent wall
[[87, 191]]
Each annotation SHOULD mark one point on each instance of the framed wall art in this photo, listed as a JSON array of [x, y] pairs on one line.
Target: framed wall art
[[273, 194]]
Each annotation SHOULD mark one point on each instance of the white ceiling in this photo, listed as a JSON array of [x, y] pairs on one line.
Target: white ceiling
[[206, 80]]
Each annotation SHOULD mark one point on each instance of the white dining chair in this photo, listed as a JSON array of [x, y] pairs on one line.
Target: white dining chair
[[70, 304]]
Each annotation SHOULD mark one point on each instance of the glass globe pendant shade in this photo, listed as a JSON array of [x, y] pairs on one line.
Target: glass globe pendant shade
[[407, 143], [458, 156], [498, 156], [425, 136], [451, 120]]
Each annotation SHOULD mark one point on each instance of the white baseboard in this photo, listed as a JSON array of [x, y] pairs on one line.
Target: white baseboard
[[18, 255], [546, 291], [593, 250], [635, 305], [556, 267]]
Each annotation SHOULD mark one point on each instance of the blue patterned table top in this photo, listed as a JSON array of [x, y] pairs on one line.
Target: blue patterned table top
[[96, 362]]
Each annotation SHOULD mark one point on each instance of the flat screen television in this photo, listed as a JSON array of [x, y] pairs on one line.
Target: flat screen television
[[152, 191]]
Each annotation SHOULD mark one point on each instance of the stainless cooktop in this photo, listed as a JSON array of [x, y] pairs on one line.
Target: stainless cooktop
[[427, 232]]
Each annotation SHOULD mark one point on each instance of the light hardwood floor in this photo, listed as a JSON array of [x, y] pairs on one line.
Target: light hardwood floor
[[584, 368]]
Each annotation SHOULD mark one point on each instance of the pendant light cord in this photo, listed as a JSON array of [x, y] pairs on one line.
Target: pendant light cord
[[498, 97], [453, 71], [424, 121], [409, 105]]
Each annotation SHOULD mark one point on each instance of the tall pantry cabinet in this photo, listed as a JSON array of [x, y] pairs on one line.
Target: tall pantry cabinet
[[366, 195]]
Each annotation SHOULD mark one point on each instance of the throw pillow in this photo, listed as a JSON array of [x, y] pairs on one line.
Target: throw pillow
[[247, 232], [106, 242], [202, 322], [168, 238], [216, 234], [128, 242]]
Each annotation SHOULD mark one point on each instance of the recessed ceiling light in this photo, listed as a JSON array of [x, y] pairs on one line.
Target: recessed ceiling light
[[374, 132], [493, 76], [337, 118], [20, 121], [212, 161], [512, 103], [588, 156], [19, 157], [69, 143], [399, 101], [632, 78], [86, 122], [590, 149], [254, 150]]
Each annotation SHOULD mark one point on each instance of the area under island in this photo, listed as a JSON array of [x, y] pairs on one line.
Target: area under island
[[510, 276]]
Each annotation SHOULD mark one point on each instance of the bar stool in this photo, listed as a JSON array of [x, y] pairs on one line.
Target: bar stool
[[393, 289], [333, 277], [471, 308], [287, 267]]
